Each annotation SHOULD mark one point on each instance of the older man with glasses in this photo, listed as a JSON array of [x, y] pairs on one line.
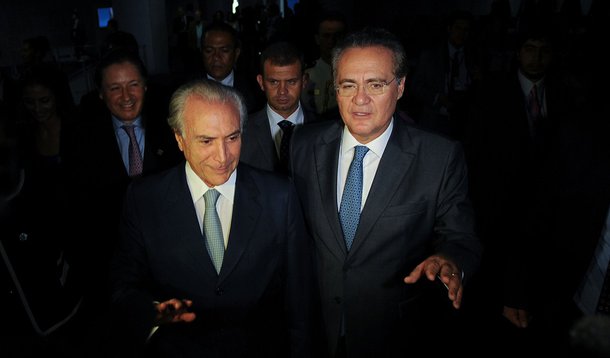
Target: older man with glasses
[[388, 209]]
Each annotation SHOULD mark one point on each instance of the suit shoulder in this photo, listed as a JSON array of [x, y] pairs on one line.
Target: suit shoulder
[[315, 129], [427, 138], [156, 182], [261, 175]]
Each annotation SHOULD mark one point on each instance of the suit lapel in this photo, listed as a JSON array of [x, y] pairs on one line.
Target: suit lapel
[[187, 235], [326, 158], [264, 141], [246, 213]]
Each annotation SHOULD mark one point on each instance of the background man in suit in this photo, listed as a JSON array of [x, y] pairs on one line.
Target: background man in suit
[[100, 162], [221, 50], [380, 296], [320, 92], [540, 195], [281, 78], [254, 303]]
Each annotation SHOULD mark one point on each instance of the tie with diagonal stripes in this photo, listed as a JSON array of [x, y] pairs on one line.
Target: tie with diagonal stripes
[[135, 157]]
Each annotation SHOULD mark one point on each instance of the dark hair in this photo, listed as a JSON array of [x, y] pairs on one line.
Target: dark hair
[[536, 33], [456, 15], [120, 55], [226, 28], [282, 53], [121, 39], [53, 79], [370, 37], [331, 15]]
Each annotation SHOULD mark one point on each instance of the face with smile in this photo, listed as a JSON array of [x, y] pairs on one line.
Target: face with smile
[[368, 116], [282, 86], [122, 90], [211, 139]]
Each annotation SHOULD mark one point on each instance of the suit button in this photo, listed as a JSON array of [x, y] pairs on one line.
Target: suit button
[[338, 300], [219, 291]]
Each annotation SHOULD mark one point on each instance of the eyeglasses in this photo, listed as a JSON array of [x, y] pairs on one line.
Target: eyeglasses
[[372, 88]]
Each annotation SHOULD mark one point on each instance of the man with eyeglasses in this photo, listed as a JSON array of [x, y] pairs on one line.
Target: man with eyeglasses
[[390, 270]]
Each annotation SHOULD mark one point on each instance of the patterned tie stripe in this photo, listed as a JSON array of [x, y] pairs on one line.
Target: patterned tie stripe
[[213, 229], [135, 157], [349, 212]]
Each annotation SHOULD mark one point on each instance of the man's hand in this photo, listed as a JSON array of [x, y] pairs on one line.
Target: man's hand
[[446, 271], [173, 311]]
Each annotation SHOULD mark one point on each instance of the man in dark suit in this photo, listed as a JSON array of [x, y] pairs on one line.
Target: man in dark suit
[[532, 157], [221, 49], [445, 77], [99, 158], [249, 300], [282, 79], [382, 297]]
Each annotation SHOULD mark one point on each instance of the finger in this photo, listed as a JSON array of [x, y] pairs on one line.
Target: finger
[[522, 318], [414, 275], [457, 300], [432, 268]]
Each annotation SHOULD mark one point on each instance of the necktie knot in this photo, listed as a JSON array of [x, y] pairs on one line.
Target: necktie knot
[[360, 152], [211, 197], [285, 125]]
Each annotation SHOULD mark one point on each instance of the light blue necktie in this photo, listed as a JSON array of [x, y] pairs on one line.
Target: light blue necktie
[[349, 212], [213, 230]]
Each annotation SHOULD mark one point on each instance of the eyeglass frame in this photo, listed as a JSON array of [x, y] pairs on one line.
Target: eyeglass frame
[[384, 85]]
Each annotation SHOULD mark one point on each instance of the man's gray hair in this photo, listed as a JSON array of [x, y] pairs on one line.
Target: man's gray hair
[[207, 90]]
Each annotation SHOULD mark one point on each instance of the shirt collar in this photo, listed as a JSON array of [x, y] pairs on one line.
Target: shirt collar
[[227, 81], [197, 187], [527, 84], [376, 146], [297, 117], [117, 123]]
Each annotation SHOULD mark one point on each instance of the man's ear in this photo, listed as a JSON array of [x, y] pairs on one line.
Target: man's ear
[[401, 87], [259, 79]]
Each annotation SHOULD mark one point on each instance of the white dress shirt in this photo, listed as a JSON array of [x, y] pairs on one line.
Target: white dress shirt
[[370, 163], [297, 117], [224, 205]]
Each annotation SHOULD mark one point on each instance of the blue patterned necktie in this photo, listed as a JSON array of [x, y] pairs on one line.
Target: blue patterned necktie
[[215, 242], [349, 212]]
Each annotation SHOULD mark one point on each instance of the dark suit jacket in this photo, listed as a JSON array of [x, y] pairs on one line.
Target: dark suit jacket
[[101, 180], [256, 307], [516, 178], [417, 206], [258, 148]]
